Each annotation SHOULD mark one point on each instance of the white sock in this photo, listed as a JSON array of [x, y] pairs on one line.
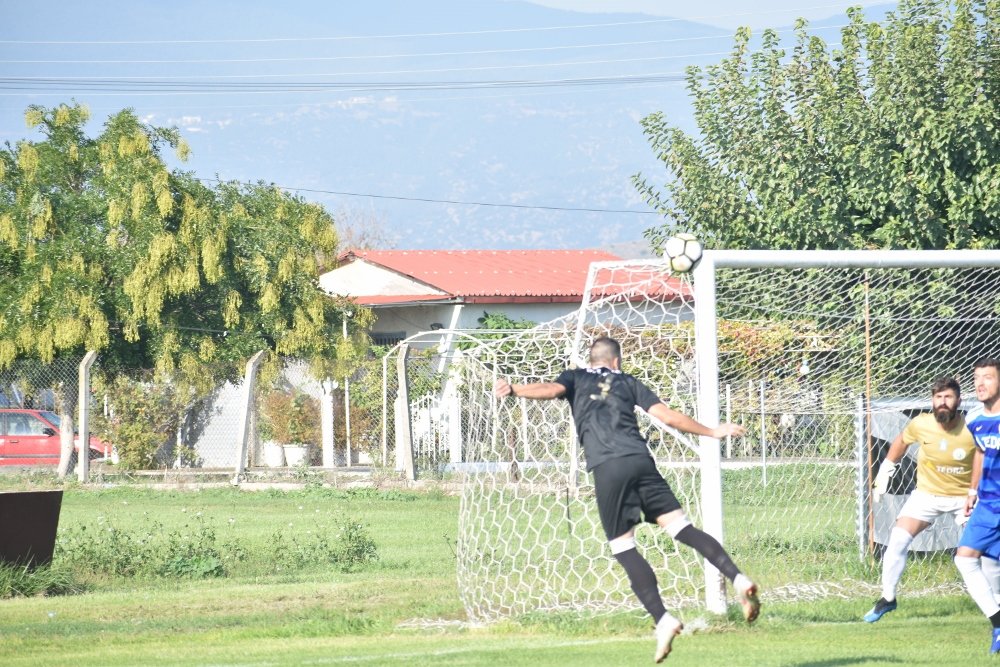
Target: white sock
[[894, 561], [667, 622], [977, 585], [991, 569], [741, 583]]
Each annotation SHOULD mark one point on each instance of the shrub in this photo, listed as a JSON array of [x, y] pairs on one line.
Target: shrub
[[143, 417], [291, 417]]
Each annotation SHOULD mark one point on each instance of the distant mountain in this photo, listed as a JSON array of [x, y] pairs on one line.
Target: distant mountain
[[503, 117]]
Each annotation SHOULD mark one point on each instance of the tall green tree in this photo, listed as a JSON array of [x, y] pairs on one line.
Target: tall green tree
[[103, 247], [891, 140]]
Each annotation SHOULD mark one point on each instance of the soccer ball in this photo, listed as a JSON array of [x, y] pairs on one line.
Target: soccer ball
[[682, 252]]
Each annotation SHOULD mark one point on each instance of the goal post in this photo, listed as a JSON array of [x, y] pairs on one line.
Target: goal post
[[706, 340], [787, 343]]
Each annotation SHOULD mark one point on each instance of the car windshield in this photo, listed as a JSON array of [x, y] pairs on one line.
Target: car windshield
[[51, 416]]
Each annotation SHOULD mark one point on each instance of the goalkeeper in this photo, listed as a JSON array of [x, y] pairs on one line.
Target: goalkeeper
[[945, 480], [627, 483]]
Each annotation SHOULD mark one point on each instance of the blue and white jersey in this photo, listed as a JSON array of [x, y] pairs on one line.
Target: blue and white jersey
[[986, 432]]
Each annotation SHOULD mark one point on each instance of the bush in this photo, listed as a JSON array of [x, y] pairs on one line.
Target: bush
[[355, 546], [143, 417], [291, 418], [195, 552]]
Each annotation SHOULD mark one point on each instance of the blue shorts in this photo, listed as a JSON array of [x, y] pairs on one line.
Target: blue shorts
[[982, 532]]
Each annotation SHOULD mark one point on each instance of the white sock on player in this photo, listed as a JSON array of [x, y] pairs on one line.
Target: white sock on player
[[991, 569], [977, 585], [894, 561], [741, 583]]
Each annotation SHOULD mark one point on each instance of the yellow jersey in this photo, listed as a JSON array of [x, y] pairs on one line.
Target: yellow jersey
[[944, 460]]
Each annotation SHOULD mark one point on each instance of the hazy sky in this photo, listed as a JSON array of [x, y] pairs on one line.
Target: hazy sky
[[722, 13], [458, 123]]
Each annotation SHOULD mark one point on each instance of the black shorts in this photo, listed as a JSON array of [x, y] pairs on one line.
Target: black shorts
[[629, 490]]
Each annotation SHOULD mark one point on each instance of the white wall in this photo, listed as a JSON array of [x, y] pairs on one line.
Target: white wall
[[413, 319], [362, 278]]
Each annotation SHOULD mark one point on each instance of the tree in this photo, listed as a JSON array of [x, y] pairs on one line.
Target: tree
[[362, 229], [890, 141], [102, 247]]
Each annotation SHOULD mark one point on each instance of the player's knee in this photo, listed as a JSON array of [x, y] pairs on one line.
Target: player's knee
[[622, 544], [966, 564], [676, 525]]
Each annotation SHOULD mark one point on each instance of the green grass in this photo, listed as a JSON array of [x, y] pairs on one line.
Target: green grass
[[403, 607]]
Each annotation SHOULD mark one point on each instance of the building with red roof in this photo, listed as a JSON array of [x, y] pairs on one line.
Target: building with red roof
[[421, 290]]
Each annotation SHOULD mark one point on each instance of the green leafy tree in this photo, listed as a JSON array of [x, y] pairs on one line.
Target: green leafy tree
[[102, 247], [891, 140]]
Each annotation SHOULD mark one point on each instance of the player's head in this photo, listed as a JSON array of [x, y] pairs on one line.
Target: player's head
[[605, 352], [986, 375], [945, 397]]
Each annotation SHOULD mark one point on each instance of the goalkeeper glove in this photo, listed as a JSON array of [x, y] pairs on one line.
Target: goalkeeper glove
[[882, 477]]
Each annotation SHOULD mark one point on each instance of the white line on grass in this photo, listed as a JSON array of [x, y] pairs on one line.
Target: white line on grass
[[356, 659]]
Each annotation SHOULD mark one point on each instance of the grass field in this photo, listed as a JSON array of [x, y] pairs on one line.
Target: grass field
[[224, 577]]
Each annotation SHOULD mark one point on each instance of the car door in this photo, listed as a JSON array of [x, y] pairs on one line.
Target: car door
[[29, 440], [3, 438]]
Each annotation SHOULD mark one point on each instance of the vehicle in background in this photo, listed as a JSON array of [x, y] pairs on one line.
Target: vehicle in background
[[31, 437]]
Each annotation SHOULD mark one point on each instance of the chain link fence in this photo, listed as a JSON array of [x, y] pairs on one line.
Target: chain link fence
[[149, 424]]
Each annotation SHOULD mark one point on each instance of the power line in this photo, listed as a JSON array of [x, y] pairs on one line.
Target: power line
[[371, 100], [389, 56], [440, 201], [439, 70], [106, 87], [429, 34]]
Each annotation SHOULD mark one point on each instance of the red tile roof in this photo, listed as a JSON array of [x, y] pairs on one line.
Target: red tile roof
[[502, 276], [485, 276]]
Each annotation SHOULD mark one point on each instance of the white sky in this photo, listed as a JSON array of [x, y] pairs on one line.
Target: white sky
[[723, 13]]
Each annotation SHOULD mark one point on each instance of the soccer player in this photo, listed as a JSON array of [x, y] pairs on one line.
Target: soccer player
[[945, 479], [979, 546], [628, 486]]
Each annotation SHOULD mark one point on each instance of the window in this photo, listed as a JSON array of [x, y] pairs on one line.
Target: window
[[388, 338], [22, 424]]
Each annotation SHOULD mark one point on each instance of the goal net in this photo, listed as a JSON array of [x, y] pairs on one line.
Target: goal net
[[823, 356]]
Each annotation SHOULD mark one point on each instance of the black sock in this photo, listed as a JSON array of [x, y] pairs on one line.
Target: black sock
[[995, 620], [643, 581], [710, 548]]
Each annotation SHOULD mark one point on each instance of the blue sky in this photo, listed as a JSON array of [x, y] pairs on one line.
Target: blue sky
[[721, 13], [448, 123]]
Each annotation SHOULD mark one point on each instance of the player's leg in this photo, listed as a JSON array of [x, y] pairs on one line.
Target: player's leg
[[989, 562], [642, 579], [991, 569], [681, 530], [980, 535], [919, 511], [619, 509], [660, 504]]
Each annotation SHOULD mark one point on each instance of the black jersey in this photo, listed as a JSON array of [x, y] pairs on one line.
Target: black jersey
[[603, 405]]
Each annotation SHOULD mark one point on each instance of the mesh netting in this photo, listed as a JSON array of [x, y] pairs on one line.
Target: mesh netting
[[823, 367], [529, 533]]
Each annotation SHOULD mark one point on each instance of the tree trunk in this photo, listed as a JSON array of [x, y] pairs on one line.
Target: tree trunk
[[66, 404]]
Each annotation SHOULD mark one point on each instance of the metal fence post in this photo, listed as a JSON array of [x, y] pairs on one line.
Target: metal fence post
[[404, 427], [327, 422]]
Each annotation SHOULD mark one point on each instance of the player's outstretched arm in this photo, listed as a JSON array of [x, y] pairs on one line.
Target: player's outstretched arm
[[536, 390], [685, 424]]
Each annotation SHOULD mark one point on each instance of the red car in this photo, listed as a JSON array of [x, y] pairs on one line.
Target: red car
[[31, 437]]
